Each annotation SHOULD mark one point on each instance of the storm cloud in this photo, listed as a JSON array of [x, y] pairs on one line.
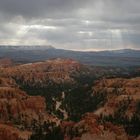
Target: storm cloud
[[71, 24]]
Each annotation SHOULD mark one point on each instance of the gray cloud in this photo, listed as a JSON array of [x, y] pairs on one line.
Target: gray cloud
[[71, 24]]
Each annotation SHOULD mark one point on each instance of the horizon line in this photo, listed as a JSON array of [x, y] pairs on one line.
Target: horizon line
[[77, 50]]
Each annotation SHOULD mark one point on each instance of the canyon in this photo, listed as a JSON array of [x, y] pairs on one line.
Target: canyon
[[62, 99]]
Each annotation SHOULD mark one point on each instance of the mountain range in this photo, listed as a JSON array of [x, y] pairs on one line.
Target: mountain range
[[124, 57]]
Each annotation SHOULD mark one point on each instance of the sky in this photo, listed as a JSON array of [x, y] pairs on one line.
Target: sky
[[71, 24]]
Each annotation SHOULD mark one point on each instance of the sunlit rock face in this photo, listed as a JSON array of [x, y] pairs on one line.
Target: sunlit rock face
[[20, 113], [7, 131], [119, 93], [14, 103], [90, 128], [17, 106], [42, 73]]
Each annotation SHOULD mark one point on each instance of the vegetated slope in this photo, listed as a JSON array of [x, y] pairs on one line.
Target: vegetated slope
[[121, 104], [114, 116], [118, 90], [21, 114], [91, 128]]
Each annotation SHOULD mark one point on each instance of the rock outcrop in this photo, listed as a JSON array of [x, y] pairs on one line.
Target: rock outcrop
[[8, 132], [120, 95], [90, 128], [20, 114], [42, 73]]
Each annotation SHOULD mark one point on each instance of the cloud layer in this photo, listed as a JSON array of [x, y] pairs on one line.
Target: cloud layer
[[71, 24]]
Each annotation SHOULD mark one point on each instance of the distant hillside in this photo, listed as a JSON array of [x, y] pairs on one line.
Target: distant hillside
[[125, 57], [36, 47]]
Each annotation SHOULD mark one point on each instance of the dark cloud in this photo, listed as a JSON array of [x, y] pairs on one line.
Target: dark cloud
[[37, 8], [71, 24]]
